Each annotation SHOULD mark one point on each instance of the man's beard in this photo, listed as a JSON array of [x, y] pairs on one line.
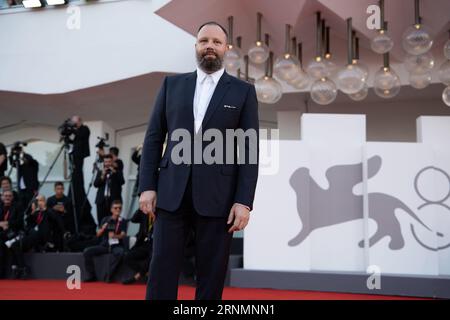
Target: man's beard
[[207, 64]]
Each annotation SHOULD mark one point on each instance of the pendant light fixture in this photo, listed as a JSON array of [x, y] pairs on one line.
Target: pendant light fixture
[[350, 79], [417, 38], [268, 89], [386, 83], [317, 68], [233, 56], [259, 52], [286, 66], [301, 81], [382, 42], [328, 57], [444, 69], [447, 48], [363, 93]]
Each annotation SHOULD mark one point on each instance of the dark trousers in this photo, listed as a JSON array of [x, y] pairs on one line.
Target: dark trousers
[[91, 252], [3, 258], [31, 240], [212, 249], [138, 258]]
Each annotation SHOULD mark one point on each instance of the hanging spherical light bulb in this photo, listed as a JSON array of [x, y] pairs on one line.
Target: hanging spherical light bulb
[[323, 91], [232, 59], [420, 80], [419, 64], [444, 73], [386, 83], [317, 68], [360, 95], [286, 66], [301, 81], [259, 52], [350, 79], [417, 38], [382, 42], [268, 89], [446, 96], [357, 61]]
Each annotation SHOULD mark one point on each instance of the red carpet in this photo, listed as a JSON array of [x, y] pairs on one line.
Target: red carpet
[[57, 290]]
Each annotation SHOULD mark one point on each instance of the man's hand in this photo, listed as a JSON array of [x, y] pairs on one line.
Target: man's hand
[[240, 214], [147, 203], [4, 225]]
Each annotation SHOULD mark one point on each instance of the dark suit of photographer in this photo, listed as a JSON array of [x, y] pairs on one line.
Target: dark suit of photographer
[[109, 182], [11, 223], [80, 152], [27, 174]]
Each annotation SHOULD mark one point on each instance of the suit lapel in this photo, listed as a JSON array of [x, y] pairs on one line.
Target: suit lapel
[[221, 88], [191, 80]]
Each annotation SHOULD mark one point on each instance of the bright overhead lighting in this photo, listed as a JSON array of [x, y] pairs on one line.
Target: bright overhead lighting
[[32, 3], [55, 2]]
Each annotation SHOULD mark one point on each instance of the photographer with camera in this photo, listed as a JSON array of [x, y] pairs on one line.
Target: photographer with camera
[[11, 223], [117, 163], [76, 137], [109, 182], [3, 160], [39, 226], [27, 173], [112, 232], [62, 208]]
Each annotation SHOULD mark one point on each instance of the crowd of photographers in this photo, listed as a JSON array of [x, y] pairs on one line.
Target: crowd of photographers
[[62, 222]]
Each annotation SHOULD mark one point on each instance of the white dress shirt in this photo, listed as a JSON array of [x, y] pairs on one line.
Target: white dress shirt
[[204, 89]]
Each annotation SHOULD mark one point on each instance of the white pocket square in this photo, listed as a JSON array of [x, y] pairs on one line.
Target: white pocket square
[[229, 107]]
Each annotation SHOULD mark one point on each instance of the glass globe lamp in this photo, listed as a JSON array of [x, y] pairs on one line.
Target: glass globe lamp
[[268, 90], [446, 96], [419, 64], [258, 53], [232, 59], [323, 91], [386, 83], [301, 81], [447, 50], [382, 42], [420, 80], [417, 39], [360, 95], [350, 79], [317, 69], [286, 67]]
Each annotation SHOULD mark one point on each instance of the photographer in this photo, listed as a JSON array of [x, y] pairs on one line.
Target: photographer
[[3, 160], [136, 158], [112, 232], [38, 233], [76, 135], [109, 182], [117, 163], [6, 185], [62, 207], [138, 258], [11, 223], [27, 173]]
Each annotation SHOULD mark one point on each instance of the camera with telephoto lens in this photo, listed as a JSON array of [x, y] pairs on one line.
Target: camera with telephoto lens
[[102, 143], [17, 154], [67, 128]]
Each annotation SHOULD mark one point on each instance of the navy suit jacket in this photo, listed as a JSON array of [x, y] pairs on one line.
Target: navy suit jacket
[[215, 187]]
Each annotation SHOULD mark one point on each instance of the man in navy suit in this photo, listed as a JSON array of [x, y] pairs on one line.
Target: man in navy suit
[[212, 199]]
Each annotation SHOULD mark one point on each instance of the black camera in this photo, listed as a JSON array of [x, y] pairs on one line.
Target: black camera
[[102, 143], [67, 128], [17, 154], [111, 226]]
